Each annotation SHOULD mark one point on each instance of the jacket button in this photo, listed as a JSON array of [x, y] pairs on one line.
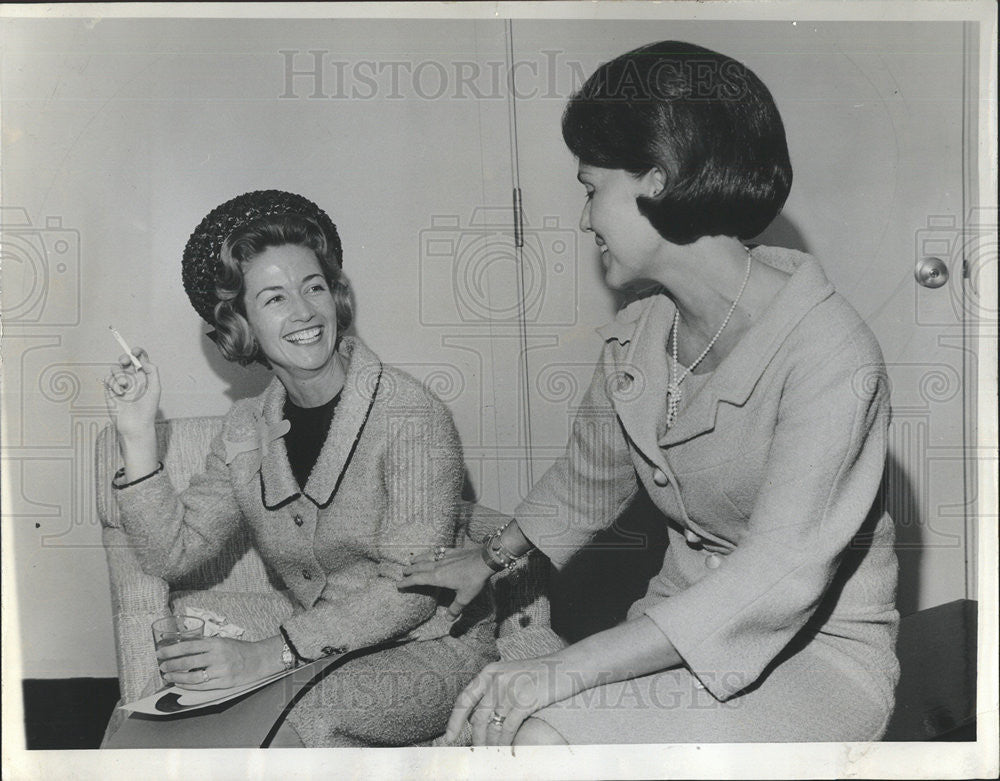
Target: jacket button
[[713, 561], [307, 574], [660, 478], [298, 520]]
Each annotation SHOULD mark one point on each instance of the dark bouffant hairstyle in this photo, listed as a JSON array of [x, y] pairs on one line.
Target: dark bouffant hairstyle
[[233, 333], [705, 120]]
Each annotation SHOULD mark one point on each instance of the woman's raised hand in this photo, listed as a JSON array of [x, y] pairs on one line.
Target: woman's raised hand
[[133, 395], [460, 569]]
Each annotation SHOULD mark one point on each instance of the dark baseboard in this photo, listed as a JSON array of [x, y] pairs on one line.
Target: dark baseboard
[[936, 695], [67, 713], [966, 733], [71, 713]]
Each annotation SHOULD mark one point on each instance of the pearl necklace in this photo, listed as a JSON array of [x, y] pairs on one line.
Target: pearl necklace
[[676, 375]]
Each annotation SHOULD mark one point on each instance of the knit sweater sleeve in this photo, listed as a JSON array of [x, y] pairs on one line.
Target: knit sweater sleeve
[[588, 487], [175, 532], [422, 478]]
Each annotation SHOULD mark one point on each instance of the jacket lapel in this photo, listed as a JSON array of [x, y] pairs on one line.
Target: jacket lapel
[[277, 483], [278, 486], [364, 374], [638, 382], [735, 378]]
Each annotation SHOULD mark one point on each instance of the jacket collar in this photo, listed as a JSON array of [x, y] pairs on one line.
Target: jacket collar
[[642, 328], [278, 484]]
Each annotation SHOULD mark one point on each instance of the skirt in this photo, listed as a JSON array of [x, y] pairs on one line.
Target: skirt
[[397, 697], [805, 698]]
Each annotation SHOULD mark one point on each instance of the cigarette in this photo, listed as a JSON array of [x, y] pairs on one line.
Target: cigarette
[[126, 348]]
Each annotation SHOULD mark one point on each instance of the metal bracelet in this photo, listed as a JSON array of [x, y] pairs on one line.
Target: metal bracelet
[[501, 557], [488, 559]]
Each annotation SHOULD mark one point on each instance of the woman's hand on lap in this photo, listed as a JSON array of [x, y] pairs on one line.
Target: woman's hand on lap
[[217, 663], [514, 691], [460, 569]]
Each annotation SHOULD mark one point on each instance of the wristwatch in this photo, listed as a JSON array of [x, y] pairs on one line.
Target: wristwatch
[[287, 657]]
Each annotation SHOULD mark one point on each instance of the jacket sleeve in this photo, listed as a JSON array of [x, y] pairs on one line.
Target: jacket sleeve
[[175, 532], [588, 487], [822, 475], [422, 479]]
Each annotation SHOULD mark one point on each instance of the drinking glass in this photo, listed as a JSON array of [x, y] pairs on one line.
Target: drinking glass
[[176, 629]]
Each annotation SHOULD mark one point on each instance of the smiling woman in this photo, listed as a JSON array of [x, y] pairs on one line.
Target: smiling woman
[[727, 393], [285, 302], [343, 469], [293, 315]]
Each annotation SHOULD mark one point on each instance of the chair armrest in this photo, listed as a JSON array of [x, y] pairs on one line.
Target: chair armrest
[[137, 599]]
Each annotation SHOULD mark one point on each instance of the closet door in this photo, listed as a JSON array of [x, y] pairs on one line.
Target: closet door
[[874, 118]]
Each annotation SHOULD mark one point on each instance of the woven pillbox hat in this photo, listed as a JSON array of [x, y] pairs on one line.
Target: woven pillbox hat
[[201, 261]]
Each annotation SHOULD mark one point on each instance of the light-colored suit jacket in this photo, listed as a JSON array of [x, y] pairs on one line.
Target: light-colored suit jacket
[[767, 481], [385, 486]]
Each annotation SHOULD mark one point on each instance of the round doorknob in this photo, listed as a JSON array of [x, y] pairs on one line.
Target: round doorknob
[[931, 272]]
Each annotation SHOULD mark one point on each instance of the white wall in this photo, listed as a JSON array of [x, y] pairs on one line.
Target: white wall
[[120, 136]]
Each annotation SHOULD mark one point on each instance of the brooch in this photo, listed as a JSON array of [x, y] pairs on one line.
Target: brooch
[[259, 442]]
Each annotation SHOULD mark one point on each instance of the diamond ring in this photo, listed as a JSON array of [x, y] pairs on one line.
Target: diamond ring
[[496, 720]]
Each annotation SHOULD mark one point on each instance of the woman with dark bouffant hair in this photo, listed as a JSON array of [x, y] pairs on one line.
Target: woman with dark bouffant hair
[[749, 401], [343, 468]]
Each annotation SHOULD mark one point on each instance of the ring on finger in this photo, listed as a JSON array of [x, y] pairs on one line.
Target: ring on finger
[[496, 720], [440, 552]]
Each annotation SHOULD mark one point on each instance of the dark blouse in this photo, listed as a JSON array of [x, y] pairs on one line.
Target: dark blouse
[[305, 438]]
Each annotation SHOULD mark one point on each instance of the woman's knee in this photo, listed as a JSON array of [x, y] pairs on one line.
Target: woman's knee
[[535, 732]]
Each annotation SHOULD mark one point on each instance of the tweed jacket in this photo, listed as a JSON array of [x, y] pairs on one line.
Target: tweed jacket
[[385, 486], [767, 482]]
